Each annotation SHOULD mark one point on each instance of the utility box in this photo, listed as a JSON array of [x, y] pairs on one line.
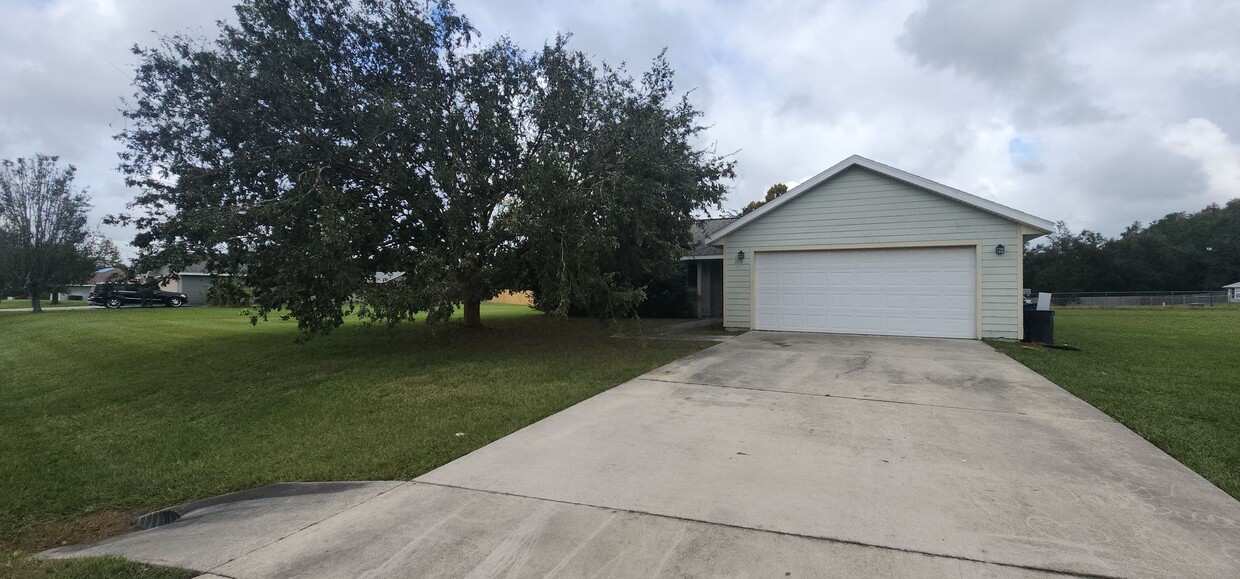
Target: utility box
[[1040, 326]]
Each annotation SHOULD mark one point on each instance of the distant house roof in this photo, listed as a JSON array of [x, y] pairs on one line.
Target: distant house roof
[[105, 275], [386, 276], [703, 229], [200, 268], [193, 269], [1035, 223], [1234, 285]]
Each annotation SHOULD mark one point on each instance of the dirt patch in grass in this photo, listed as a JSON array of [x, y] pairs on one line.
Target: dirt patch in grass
[[72, 531]]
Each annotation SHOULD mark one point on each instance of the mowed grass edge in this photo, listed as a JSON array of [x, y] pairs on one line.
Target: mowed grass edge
[[26, 304], [19, 565], [105, 414], [1171, 375]]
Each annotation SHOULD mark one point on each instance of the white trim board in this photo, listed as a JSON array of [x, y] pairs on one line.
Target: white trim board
[[1035, 223]]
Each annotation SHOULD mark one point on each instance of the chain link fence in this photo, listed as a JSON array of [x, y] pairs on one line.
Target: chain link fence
[[1119, 299]]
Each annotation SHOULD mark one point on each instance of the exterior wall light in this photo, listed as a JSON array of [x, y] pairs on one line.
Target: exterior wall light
[[999, 249], [740, 256]]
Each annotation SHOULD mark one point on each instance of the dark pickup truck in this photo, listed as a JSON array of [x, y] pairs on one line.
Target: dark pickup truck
[[113, 296]]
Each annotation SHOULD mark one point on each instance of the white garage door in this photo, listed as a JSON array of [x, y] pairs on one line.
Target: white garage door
[[895, 292]]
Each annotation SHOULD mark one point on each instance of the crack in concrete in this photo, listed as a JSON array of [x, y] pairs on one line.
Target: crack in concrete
[[881, 400], [865, 361], [782, 533]]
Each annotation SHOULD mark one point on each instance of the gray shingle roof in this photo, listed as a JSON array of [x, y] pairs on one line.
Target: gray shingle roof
[[702, 229]]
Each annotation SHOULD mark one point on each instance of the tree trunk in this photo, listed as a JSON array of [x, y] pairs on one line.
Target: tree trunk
[[55, 298], [36, 305], [473, 313]]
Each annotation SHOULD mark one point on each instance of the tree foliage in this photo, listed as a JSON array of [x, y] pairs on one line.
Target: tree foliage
[[318, 142], [44, 243], [226, 291], [1182, 251], [774, 191], [103, 252]]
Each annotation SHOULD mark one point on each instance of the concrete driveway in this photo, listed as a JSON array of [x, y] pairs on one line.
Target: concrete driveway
[[770, 455]]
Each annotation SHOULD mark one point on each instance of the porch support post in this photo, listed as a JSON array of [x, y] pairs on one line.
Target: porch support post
[[700, 298]]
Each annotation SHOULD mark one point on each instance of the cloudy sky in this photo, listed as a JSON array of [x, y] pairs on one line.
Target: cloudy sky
[[1096, 113]]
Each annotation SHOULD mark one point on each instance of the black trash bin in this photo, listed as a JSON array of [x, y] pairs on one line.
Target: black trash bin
[[1040, 326]]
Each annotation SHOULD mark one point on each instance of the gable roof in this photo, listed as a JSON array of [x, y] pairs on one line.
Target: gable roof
[[1234, 285], [1035, 223]]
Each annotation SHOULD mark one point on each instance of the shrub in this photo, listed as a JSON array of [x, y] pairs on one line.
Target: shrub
[[228, 292]]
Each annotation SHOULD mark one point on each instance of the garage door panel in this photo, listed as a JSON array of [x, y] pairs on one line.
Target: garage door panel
[[793, 321], [900, 301], [906, 292]]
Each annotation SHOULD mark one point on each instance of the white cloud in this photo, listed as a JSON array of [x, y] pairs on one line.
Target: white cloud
[[1204, 142], [66, 65], [1068, 110]]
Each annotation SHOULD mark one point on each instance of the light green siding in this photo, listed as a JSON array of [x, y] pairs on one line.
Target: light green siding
[[863, 208]]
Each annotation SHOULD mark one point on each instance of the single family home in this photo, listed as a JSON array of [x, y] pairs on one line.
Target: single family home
[[864, 248], [103, 275], [1233, 292], [193, 281]]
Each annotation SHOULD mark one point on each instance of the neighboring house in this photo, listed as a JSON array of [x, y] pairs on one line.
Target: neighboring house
[[525, 298], [103, 275], [1233, 292], [193, 281], [382, 277], [863, 248], [505, 297], [705, 268]]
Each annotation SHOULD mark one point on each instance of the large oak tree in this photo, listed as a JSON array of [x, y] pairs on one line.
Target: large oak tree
[[317, 142]]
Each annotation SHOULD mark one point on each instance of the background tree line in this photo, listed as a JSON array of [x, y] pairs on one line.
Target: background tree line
[[315, 143], [1182, 251]]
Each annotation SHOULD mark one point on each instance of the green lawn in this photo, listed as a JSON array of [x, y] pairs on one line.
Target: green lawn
[[1170, 374], [106, 414], [25, 304], [19, 565]]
